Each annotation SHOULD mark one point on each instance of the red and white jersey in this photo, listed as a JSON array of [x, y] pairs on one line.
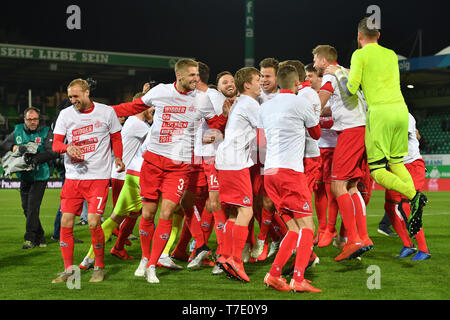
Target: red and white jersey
[[133, 134], [136, 163], [208, 150], [284, 120], [348, 111], [264, 97], [90, 131], [413, 143], [176, 119], [311, 145], [235, 151]]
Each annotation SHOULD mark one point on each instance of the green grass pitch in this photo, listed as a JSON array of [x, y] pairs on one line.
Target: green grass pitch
[[27, 274]]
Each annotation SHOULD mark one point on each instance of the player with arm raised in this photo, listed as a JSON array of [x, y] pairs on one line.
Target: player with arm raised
[[178, 109], [349, 117], [375, 69]]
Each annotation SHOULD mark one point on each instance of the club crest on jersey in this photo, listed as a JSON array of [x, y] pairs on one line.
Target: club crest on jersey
[[306, 206], [246, 200], [97, 124]]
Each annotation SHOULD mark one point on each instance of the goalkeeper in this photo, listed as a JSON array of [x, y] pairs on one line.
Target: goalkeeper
[[376, 70]]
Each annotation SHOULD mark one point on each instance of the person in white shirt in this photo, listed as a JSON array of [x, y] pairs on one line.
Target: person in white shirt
[[269, 224], [179, 107], [233, 160], [349, 117], [284, 120], [90, 128], [325, 201]]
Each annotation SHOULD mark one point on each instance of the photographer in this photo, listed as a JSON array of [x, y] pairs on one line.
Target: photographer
[[33, 182]]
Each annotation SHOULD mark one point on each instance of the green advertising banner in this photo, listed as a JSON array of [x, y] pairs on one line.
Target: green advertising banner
[[438, 166], [86, 56]]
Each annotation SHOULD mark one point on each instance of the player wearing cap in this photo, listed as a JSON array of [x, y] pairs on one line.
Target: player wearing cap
[[90, 128], [167, 161], [397, 205], [233, 160], [284, 119], [349, 116], [375, 69]]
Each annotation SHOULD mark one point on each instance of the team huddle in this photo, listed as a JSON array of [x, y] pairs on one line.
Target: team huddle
[[255, 146]]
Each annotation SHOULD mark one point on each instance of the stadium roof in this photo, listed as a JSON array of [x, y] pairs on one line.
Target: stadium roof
[[426, 71], [28, 64]]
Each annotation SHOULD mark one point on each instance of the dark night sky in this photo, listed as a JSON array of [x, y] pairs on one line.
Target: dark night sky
[[213, 31]]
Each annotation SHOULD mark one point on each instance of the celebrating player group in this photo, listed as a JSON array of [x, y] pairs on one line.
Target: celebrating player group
[[255, 146]]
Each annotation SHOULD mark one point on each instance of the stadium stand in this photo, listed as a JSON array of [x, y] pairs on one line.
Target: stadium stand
[[434, 127]]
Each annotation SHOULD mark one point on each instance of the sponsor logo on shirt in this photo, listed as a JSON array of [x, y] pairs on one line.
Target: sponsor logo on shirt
[[83, 130], [246, 200], [174, 109]]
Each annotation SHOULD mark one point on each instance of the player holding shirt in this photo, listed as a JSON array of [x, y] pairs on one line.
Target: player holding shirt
[[375, 69], [397, 205], [89, 128], [178, 108], [233, 160], [133, 133], [349, 116], [284, 119]]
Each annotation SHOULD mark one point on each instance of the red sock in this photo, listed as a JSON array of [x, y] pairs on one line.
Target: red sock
[[360, 215], [98, 243], [420, 236], [240, 234], [160, 238], [284, 253], [264, 226], [219, 224], [185, 235], [206, 223], [347, 209], [126, 228], [321, 204], [146, 230], [332, 208], [196, 229], [227, 246], [304, 249], [207, 218], [398, 223], [67, 244], [279, 226]]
